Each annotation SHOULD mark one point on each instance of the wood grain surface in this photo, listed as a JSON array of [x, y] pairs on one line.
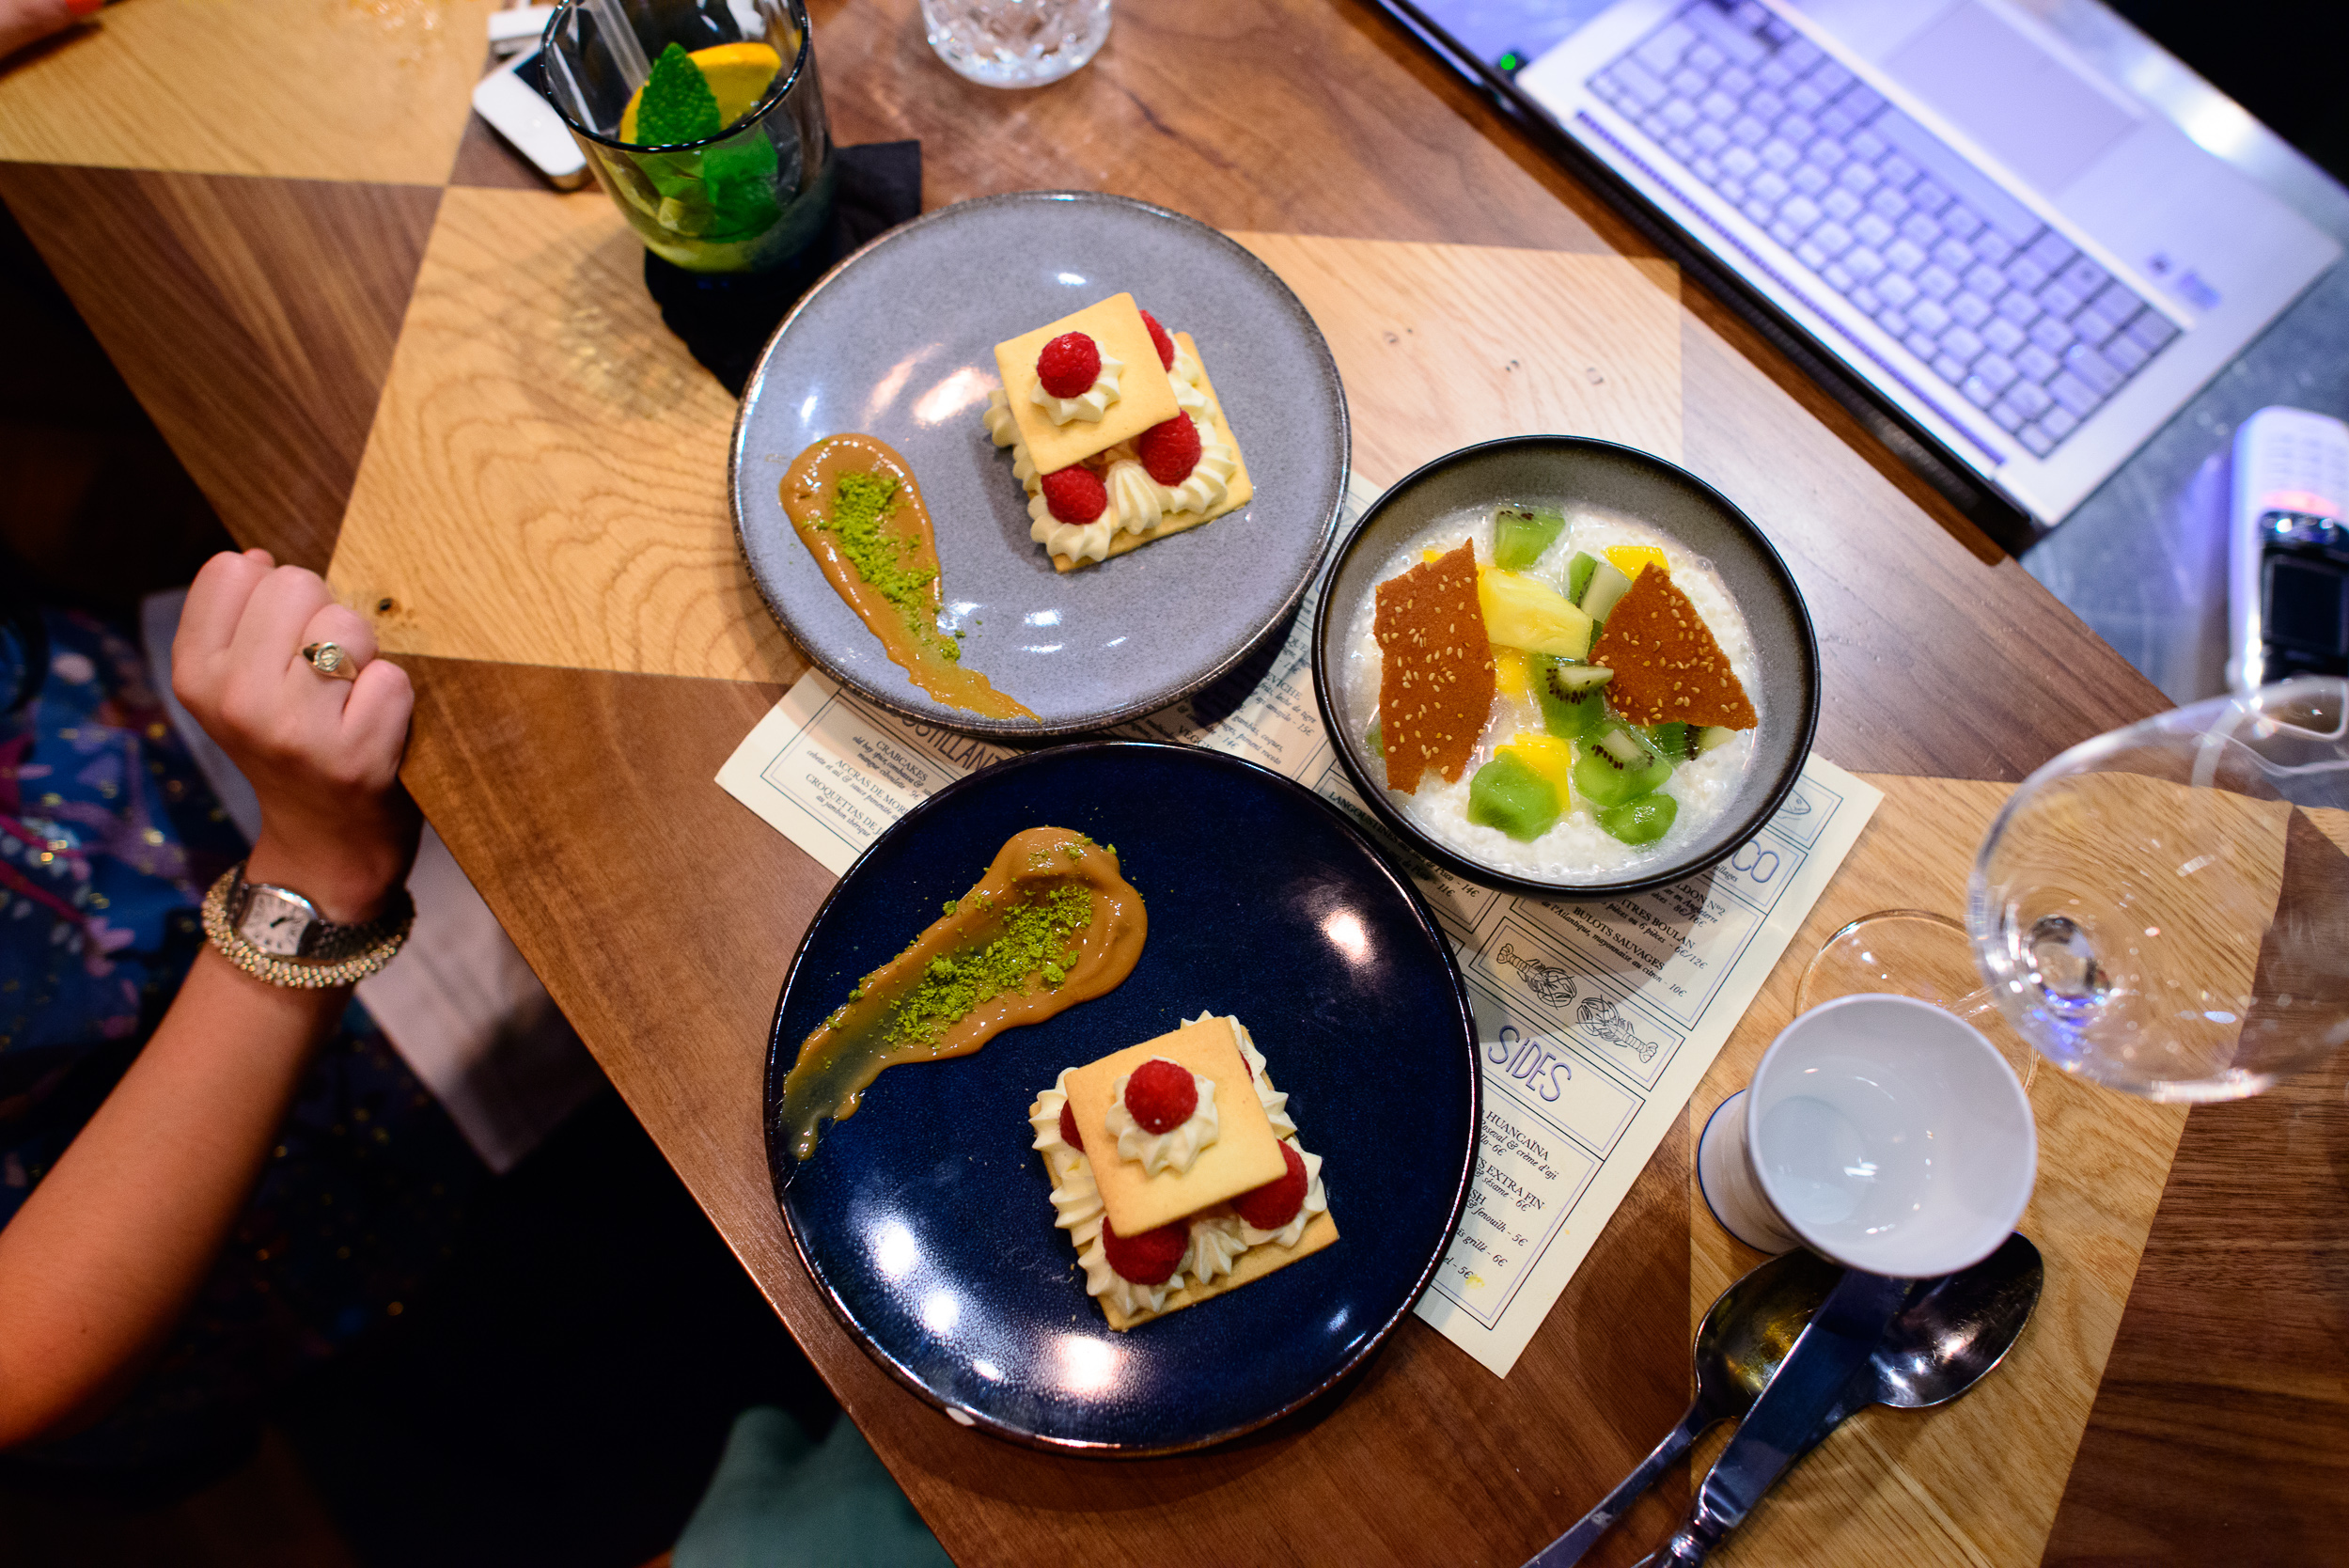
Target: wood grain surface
[[255, 317], [1981, 1481], [1424, 1446], [335, 90], [536, 404], [547, 479]]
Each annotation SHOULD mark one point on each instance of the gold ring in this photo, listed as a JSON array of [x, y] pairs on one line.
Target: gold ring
[[331, 660]]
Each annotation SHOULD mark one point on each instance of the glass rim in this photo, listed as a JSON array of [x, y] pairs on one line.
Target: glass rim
[[773, 96]]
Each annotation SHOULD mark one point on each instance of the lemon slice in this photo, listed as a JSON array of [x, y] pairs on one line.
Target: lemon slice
[[739, 75]]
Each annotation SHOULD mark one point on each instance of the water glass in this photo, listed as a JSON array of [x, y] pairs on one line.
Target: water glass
[[1016, 44], [2165, 910], [751, 197]]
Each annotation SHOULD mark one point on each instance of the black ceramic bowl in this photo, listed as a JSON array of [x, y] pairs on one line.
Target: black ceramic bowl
[[1571, 471]]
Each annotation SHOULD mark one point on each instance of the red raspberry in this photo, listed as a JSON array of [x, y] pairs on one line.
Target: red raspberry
[[1159, 341], [1161, 1095], [1276, 1203], [1068, 1127], [1075, 495], [1149, 1258], [1170, 450], [1069, 365]]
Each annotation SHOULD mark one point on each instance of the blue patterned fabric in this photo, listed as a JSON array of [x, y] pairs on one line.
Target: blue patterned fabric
[[108, 839]]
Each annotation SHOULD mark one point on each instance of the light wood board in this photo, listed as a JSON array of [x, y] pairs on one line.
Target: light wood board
[[545, 481], [1977, 1481], [302, 89]]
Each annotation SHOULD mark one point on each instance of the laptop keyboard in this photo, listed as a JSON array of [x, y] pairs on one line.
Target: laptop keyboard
[[1998, 306]]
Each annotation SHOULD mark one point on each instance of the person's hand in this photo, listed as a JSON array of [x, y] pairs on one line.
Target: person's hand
[[322, 753], [23, 22]]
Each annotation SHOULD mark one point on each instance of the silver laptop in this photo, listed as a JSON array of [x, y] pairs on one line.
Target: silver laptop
[[2031, 264]]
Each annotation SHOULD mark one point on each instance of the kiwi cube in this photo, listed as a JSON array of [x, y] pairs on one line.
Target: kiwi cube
[[1642, 820], [1375, 739], [1570, 708], [1521, 534], [1673, 740], [1510, 796], [1608, 584], [1578, 572], [1618, 766]]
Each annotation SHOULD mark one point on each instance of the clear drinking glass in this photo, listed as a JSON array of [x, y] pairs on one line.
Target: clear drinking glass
[[750, 198], [2163, 910], [2166, 909], [1016, 44]]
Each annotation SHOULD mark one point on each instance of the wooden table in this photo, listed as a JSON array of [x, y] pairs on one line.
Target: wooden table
[[348, 310]]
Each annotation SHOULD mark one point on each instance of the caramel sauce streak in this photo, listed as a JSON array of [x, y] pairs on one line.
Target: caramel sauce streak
[[851, 1047], [921, 651]]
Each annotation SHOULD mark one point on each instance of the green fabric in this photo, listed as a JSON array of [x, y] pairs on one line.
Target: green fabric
[[780, 1500]]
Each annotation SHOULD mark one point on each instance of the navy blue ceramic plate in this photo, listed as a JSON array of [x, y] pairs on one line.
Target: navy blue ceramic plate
[[926, 1217], [899, 341]]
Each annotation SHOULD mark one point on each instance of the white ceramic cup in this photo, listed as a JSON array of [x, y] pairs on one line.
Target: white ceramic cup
[[1880, 1132]]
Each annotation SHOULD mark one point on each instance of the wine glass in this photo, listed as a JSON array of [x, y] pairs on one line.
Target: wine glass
[[2163, 910]]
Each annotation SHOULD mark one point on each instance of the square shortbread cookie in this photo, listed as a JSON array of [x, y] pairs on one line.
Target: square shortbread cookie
[[1245, 1155], [1145, 392]]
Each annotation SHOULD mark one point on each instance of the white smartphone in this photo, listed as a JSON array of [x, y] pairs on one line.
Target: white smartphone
[[2288, 581]]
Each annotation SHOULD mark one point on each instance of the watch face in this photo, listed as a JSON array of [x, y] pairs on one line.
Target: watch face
[[276, 923]]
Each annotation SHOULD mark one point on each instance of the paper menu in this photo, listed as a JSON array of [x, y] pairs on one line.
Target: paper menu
[[1595, 1021]]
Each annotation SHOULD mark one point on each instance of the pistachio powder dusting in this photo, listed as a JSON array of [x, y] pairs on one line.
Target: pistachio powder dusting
[[858, 508], [859, 503], [1037, 942]]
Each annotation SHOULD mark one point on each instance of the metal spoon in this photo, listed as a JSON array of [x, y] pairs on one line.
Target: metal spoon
[[1744, 1334], [1951, 1331], [1945, 1338]]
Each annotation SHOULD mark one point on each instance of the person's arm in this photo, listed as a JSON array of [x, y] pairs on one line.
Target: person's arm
[[107, 1252], [23, 22]]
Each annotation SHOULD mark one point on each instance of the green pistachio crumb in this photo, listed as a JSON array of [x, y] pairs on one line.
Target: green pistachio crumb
[[1025, 947]]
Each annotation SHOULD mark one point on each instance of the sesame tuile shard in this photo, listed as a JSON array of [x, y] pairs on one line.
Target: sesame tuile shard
[[1435, 684], [1668, 666]]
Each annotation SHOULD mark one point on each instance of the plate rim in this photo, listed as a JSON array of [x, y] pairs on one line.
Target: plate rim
[[1373, 793], [778, 1164], [737, 458]]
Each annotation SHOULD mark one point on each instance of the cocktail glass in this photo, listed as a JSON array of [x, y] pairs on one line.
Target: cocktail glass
[[2163, 910], [752, 197]]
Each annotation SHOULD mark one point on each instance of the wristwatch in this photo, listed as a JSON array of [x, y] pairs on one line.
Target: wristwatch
[[275, 934]]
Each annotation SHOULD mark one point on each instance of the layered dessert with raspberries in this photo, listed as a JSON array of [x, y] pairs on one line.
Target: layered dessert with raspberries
[[1177, 1172], [1115, 432]]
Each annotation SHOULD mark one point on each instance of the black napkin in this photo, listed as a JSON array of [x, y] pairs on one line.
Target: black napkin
[[726, 318]]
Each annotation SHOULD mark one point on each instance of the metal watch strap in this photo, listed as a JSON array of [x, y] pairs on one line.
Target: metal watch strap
[[385, 935]]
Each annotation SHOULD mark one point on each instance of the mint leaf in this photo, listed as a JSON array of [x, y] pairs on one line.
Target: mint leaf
[[678, 105], [740, 179]]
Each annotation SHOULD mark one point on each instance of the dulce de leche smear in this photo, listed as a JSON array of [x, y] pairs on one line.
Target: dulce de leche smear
[[1052, 923], [854, 503]]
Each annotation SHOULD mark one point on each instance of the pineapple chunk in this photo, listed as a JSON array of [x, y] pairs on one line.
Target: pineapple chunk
[[1632, 559], [1521, 612], [1547, 755]]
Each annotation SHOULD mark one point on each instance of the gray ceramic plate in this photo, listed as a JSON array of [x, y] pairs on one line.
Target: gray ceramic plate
[[1570, 472], [898, 342]]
